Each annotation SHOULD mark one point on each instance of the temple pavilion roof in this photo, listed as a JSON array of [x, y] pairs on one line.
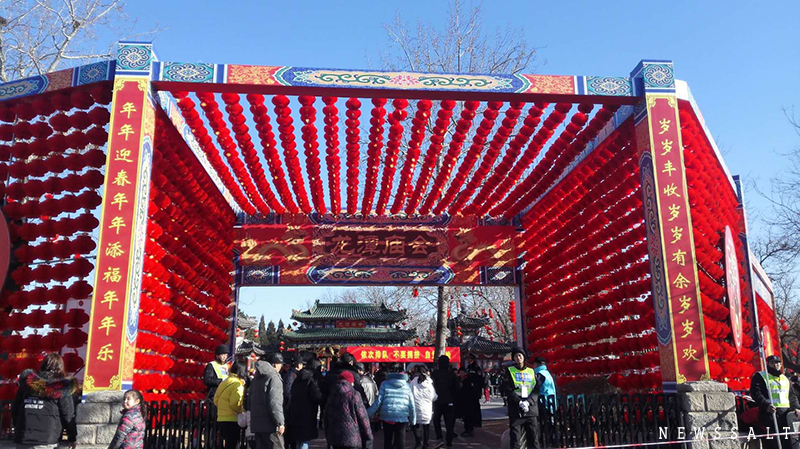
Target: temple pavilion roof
[[334, 335], [467, 322], [374, 313], [248, 347], [483, 345]]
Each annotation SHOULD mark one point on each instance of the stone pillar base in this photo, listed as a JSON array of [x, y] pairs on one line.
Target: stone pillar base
[[97, 418], [709, 415]]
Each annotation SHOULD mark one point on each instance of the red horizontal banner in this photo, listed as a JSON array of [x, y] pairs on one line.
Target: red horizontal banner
[[422, 354]]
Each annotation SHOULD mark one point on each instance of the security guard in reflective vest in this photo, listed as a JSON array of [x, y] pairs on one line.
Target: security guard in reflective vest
[[522, 394], [217, 370], [779, 398]]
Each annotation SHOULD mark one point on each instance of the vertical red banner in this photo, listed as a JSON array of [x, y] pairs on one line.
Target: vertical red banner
[[691, 355], [107, 360]]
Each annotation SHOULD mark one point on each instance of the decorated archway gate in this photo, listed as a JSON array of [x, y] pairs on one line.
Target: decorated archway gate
[[141, 193]]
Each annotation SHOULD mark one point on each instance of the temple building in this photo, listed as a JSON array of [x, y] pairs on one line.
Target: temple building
[[327, 326], [464, 333]]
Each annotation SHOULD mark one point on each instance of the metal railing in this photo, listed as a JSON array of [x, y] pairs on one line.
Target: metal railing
[[184, 425], [575, 421], [585, 420]]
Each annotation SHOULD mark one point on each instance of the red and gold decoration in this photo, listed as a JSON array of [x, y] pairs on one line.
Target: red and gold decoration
[[51, 160], [402, 354], [112, 328]]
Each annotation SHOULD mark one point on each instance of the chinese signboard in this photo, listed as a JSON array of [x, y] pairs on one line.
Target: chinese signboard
[[733, 288], [109, 358], [680, 268], [403, 354], [350, 324], [319, 253]]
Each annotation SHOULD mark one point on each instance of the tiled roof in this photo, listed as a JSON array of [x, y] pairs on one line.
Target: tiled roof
[[248, 347], [332, 335], [349, 311], [467, 321], [485, 346]]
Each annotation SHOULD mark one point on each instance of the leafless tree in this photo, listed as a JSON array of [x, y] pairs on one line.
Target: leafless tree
[[779, 247], [40, 36], [463, 45]]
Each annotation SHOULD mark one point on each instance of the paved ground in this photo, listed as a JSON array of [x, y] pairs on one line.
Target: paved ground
[[495, 422]]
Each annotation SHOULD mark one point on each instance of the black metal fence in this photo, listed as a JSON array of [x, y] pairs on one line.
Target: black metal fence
[[596, 420], [184, 425], [575, 421]]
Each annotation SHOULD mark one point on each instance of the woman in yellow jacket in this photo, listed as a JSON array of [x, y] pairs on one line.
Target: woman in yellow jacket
[[229, 400]]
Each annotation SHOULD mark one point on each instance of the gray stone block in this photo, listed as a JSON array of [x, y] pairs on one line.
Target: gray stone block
[[725, 444], [710, 420], [86, 434], [104, 396], [693, 402], [105, 433], [696, 444], [720, 402], [92, 413], [702, 385], [116, 414]]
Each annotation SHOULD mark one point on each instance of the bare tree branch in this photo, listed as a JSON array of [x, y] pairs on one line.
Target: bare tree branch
[[39, 36]]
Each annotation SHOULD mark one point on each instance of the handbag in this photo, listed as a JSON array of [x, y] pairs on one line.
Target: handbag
[[242, 419]]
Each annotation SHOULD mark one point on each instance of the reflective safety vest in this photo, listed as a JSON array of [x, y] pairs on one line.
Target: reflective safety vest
[[524, 381], [221, 369], [778, 388]]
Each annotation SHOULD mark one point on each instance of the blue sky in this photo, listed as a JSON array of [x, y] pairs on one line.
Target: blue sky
[[741, 60]]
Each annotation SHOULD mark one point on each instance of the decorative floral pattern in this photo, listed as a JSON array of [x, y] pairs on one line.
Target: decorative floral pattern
[[134, 56], [188, 72], [607, 85], [659, 75]]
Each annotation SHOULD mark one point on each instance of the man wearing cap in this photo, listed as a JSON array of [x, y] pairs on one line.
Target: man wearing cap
[[265, 400], [216, 370], [520, 389], [779, 399], [473, 386]]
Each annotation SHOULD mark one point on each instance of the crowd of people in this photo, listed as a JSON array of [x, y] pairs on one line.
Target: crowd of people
[[283, 405]]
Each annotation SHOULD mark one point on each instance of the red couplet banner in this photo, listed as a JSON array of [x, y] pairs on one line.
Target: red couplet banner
[[408, 354]]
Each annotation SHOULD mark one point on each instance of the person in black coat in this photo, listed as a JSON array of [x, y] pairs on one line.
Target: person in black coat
[[44, 406], [304, 404], [346, 362], [447, 386], [472, 389], [780, 399]]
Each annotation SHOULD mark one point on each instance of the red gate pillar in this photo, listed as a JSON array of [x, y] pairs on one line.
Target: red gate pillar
[[114, 317], [673, 266]]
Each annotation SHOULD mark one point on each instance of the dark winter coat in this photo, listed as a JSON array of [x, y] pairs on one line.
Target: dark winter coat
[[761, 396], [303, 406], [211, 380], [332, 378], [446, 384], [130, 432], [265, 399], [346, 421], [513, 399], [472, 390], [42, 408], [288, 380]]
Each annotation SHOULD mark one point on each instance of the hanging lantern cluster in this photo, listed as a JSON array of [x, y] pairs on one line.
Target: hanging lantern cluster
[[396, 119], [713, 204], [51, 159], [555, 161], [206, 143], [186, 287], [597, 274], [418, 126]]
